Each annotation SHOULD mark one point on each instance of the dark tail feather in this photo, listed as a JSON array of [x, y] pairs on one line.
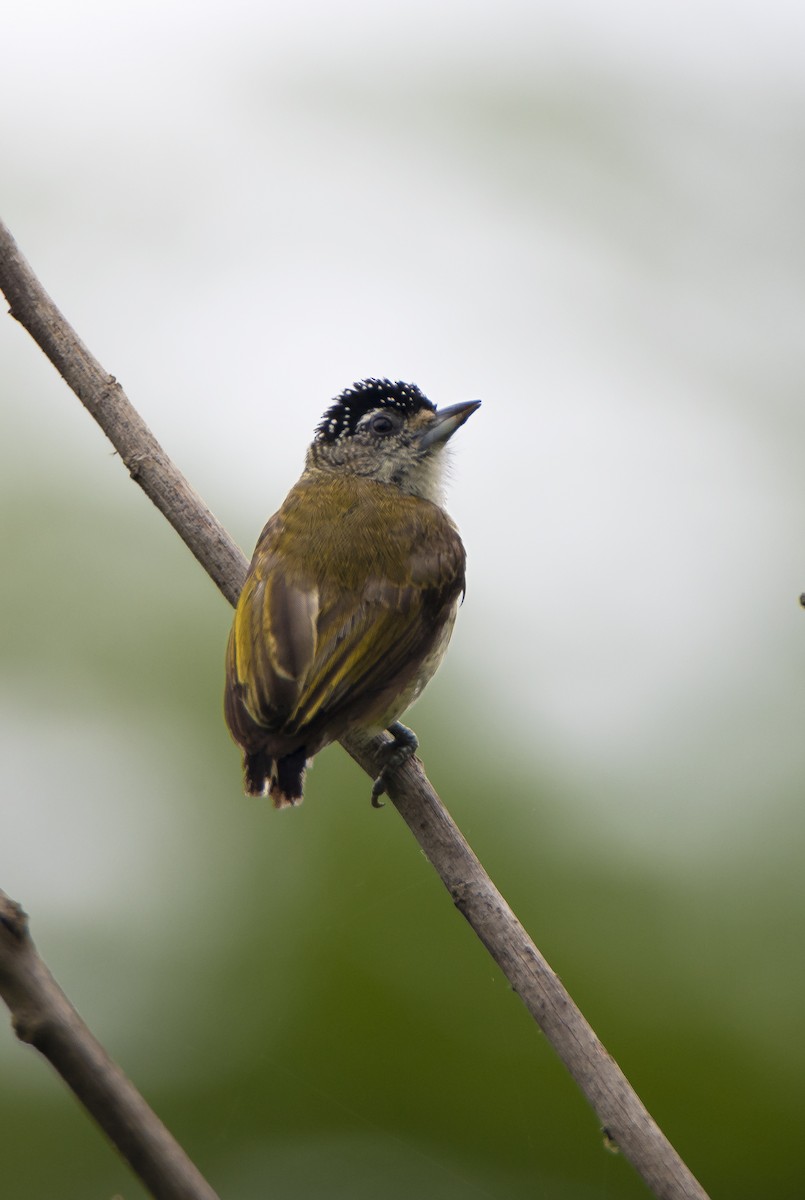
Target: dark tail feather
[[258, 770], [286, 787]]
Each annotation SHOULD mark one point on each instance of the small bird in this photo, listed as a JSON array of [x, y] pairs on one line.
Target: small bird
[[352, 591]]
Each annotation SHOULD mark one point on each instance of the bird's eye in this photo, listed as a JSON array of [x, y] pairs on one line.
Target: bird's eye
[[382, 424]]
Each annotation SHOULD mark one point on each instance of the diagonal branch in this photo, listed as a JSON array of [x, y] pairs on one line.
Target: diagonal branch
[[621, 1113], [44, 1017]]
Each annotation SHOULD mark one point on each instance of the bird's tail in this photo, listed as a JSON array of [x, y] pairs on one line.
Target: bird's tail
[[282, 778]]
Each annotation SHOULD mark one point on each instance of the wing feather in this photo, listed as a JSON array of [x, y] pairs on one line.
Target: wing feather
[[274, 642], [381, 639], [337, 613]]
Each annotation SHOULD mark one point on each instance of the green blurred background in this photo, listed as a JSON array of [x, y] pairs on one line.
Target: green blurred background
[[592, 219]]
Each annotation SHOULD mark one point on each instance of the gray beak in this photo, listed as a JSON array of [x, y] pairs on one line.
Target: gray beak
[[446, 421]]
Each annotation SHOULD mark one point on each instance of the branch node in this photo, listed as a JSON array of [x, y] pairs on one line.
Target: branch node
[[13, 917], [136, 465], [28, 1027]]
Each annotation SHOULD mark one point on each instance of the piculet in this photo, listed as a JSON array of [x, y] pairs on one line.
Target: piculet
[[352, 591]]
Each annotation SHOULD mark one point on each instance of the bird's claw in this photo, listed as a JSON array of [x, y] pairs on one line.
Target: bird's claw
[[399, 751]]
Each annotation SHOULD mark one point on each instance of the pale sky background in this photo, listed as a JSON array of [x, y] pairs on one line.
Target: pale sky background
[[589, 216]]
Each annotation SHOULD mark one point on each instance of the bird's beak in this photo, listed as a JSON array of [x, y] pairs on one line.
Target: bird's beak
[[446, 421]]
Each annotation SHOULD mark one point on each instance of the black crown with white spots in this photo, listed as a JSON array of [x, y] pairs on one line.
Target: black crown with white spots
[[341, 419]]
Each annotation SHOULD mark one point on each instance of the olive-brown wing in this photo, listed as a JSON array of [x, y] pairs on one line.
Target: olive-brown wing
[[273, 641], [369, 648], [306, 650]]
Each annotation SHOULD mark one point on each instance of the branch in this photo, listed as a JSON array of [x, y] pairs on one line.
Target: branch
[[622, 1115], [44, 1017]]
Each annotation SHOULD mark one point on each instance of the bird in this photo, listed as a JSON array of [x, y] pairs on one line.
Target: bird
[[352, 591]]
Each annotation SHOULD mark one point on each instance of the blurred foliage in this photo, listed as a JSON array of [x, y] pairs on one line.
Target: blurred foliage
[[293, 992]]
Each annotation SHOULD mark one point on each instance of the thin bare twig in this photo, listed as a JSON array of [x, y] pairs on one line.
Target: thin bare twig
[[44, 1017], [621, 1113]]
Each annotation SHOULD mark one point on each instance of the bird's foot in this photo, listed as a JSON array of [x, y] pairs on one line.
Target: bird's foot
[[399, 751]]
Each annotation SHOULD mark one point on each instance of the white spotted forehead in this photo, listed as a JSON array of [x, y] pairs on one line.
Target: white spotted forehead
[[351, 410]]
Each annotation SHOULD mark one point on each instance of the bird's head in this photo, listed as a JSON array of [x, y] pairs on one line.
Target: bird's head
[[389, 432]]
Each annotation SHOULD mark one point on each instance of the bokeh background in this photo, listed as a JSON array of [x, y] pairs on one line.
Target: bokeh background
[[591, 217]]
